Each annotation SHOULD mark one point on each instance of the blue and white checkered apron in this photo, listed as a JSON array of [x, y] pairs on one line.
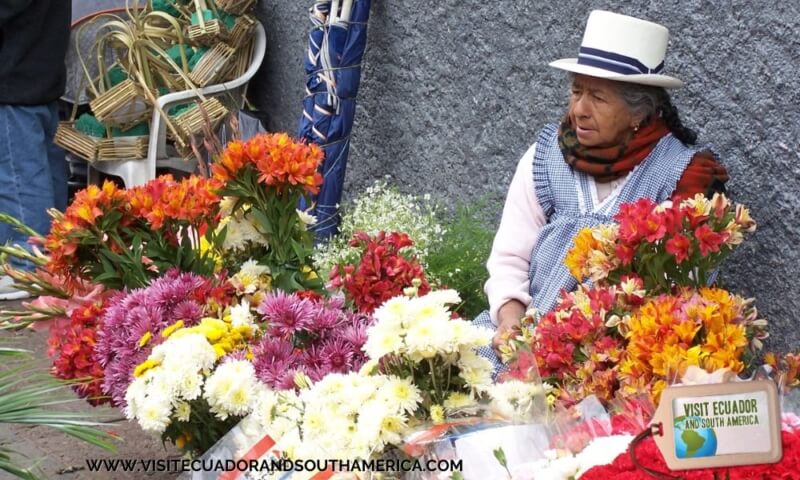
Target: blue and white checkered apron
[[565, 196]]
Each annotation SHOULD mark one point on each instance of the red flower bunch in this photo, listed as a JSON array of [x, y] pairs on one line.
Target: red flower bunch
[[622, 468], [71, 346], [381, 273], [573, 346], [666, 245], [193, 200], [278, 160]]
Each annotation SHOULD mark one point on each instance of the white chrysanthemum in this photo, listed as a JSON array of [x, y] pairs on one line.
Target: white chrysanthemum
[[423, 312], [401, 393], [189, 385], [393, 312], [154, 414], [383, 341], [442, 297], [458, 400], [241, 314], [429, 338], [476, 376], [241, 233], [135, 396], [183, 411], [186, 351], [248, 278], [231, 389]]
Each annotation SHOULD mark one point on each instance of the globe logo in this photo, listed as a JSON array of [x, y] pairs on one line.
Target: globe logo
[[692, 442]]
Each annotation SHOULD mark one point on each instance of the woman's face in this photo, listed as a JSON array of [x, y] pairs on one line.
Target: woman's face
[[598, 114]]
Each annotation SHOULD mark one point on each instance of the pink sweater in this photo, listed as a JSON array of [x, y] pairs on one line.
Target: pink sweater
[[516, 236]]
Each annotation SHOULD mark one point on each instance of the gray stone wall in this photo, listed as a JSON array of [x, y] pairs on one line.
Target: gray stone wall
[[453, 92]]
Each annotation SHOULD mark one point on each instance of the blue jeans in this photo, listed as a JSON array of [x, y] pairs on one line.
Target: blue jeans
[[33, 170]]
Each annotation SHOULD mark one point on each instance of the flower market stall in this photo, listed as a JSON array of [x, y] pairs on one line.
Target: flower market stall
[[201, 309]]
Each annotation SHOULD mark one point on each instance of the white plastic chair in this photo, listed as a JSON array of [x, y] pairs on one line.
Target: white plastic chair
[[139, 171]]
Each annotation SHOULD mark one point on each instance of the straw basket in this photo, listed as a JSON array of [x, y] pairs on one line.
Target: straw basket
[[236, 7], [123, 105], [212, 65], [206, 31], [241, 59], [122, 148], [76, 142], [191, 122], [242, 31]]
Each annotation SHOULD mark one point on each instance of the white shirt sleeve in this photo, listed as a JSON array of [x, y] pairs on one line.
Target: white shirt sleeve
[[520, 224]]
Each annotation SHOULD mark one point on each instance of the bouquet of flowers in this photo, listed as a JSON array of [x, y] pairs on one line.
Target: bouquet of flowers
[[125, 238], [648, 314], [193, 387], [665, 245], [382, 208], [309, 335], [384, 270], [265, 177]]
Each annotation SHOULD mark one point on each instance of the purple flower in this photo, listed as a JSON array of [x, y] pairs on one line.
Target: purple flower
[[286, 381], [286, 314], [337, 355]]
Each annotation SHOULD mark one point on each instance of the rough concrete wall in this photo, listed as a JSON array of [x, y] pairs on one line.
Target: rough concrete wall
[[453, 92]]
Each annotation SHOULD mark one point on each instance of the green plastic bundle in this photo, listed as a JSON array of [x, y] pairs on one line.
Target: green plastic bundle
[[91, 126], [138, 130]]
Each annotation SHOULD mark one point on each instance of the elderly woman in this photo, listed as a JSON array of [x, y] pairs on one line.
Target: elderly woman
[[620, 140]]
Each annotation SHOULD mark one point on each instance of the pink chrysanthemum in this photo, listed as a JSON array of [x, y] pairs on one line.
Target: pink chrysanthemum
[[329, 340], [286, 314]]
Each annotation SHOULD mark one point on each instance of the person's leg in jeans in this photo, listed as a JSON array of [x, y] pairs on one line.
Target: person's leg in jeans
[[57, 159], [32, 171]]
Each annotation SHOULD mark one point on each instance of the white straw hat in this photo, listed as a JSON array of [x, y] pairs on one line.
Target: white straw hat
[[622, 48]]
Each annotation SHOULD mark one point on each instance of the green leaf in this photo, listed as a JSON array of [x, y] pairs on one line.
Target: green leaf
[[500, 455]]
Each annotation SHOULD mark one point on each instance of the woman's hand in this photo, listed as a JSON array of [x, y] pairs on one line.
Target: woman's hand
[[508, 317]]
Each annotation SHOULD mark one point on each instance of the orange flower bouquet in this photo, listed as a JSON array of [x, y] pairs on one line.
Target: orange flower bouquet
[[124, 238], [264, 178]]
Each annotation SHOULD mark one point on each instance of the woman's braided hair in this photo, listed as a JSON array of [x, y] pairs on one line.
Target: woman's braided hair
[[655, 101]]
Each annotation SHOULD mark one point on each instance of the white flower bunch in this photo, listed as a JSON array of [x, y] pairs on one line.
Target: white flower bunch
[[561, 465], [355, 416], [343, 416], [383, 208], [517, 400], [231, 389], [421, 328], [251, 278], [174, 377], [241, 231]]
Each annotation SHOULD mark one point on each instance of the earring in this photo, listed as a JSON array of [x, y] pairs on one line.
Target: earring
[[636, 128]]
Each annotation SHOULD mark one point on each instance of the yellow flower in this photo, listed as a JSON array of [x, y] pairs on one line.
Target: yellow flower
[[310, 273], [145, 366], [437, 414], [180, 442], [145, 339], [578, 255], [206, 249], [172, 328]]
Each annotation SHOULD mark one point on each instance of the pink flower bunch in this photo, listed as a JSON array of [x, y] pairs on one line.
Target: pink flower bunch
[[310, 335]]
